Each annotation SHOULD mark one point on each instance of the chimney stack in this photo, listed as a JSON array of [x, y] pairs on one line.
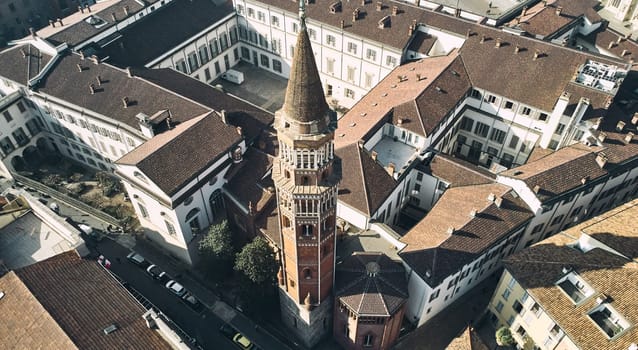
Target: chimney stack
[[113, 17], [468, 33], [498, 43], [623, 53], [125, 102], [80, 8], [129, 72], [126, 11], [390, 169], [517, 49], [95, 59], [634, 119], [559, 9], [629, 137], [60, 22], [482, 39], [611, 44], [537, 189], [602, 136], [473, 213], [395, 10], [88, 7], [363, 2], [240, 131], [81, 55], [24, 53], [373, 155], [52, 23], [620, 126], [537, 54], [342, 23], [601, 159], [99, 80], [524, 12], [491, 197], [450, 230], [355, 15], [498, 201], [79, 67], [92, 89], [584, 180], [379, 6], [32, 32]]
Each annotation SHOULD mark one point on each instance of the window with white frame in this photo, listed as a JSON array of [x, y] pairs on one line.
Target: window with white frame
[[331, 40], [348, 93], [371, 54], [330, 65], [352, 48], [390, 61]]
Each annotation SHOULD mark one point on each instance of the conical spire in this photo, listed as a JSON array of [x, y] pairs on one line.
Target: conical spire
[[304, 102]]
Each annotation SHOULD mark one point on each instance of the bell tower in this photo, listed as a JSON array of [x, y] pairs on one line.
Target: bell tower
[[306, 186]]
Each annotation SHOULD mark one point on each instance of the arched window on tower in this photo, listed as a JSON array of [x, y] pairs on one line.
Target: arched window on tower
[[306, 230], [307, 273]]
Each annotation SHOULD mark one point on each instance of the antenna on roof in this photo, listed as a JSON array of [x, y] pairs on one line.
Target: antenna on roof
[[302, 14]]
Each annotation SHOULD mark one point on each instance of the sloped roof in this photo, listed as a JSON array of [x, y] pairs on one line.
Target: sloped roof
[[371, 284], [83, 299], [174, 157], [544, 20], [558, 172], [469, 339], [457, 172], [164, 29], [538, 268], [434, 253], [367, 183], [26, 324], [604, 36], [20, 69], [250, 180], [66, 82]]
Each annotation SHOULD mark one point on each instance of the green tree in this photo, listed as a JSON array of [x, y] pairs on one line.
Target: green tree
[[504, 337], [258, 268], [217, 251]]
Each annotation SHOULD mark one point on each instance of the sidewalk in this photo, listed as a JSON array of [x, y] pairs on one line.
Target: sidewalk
[[195, 283]]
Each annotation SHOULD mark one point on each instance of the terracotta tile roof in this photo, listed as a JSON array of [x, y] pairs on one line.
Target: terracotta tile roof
[[457, 172], [422, 42], [469, 339], [175, 157], [268, 223], [252, 119], [249, 179], [26, 324], [369, 113], [559, 171], [423, 114], [66, 82], [618, 150], [598, 100], [544, 21], [431, 248], [603, 37], [164, 29], [20, 69], [367, 184], [83, 299], [539, 267], [76, 30], [371, 284]]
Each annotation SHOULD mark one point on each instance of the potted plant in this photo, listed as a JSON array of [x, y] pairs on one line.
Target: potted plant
[[504, 337]]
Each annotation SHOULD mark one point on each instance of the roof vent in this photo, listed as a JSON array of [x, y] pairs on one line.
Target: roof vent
[[335, 7], [584, 180], [498, 201], [517, 49], [384, 22], [1, 295], [629, 137], [110, 329], [537, 189], [491, 197], [473, 213], [450, 230]]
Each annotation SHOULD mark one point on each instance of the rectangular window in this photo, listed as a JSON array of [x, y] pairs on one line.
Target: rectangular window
[[276, 66], [274, 21], [330, 65], [265, 61], [263, 41], [526, 111], [559, 129], [368, 80], [538, 228], [466, 124], [506, 294], [7, 116], [21, 107], [260, 16], [490, 99], [542, 117], [499, 306], [181, 66], [331, 40], [245, 53], [352, 48], [142, 210], [203, 54], [509, 104], [371, 54], [497, 135], [368, 340], [507, 160], [575, 212], [481, 129], [233, 35], [251, 12], [192, 61], [312, 33], [513, 142], [390, 61], [557, 220], [170, 228], [350, 73], [295, 27], [348, 93], [223, 41]]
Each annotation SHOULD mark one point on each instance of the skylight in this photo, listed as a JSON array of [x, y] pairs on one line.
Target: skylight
[[608, 320], [575, 288]]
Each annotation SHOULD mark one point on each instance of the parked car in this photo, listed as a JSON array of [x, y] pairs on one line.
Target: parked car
[[138, 260], [155, 272], [176, 288], [192, 302], [242, 341], [228, 331]]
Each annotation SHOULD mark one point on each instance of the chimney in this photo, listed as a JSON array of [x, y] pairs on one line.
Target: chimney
[[129, 72], [126, 11], [450, 230], [418, 76], [410, 31], [619, 39], [537, 54], [360, 144], [24, 53], [80, 8], [60, 21], [584, 180], [390, 169], [537, 189], [457, 12], [92, 89], [113, 17], [544, 3], [355, 15], [79, 67], [559, 9], [342, 23], [99, 80], [473, 213], [620, 126], [491, 197], [363, 2], [52, 23], [224, 117], [395, 10], [601, 159], [498, 201], [517, 49], [468, 33], [240, 131], [629, 137], [95, 59], [379, 6], [611, 44], [524, 12], [634, 119], [482, 39], [81, 55], [169, 121], [125, 102], [623, 53], [88, 8], [32, 32], [373, 155], [498, 43], [399, 121], [602, 136]]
